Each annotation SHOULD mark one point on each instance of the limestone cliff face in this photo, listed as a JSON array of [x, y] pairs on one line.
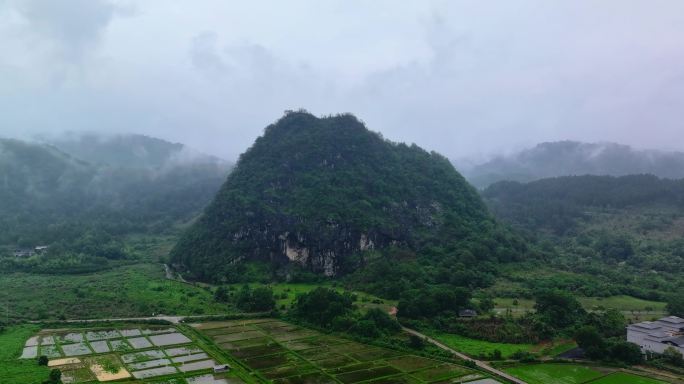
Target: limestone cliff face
[[317, 191]]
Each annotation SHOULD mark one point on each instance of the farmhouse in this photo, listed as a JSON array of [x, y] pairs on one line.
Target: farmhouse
[[41, 248], [657, 336], [23, 252], [467, 313]]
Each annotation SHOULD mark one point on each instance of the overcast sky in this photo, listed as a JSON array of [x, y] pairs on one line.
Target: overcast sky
[[464, 78]]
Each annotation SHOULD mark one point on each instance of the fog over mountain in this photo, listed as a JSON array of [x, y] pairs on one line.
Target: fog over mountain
[[570, 158], [128, 150], [463, 78]]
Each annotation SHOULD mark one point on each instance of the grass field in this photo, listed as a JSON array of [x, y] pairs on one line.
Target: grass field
[[554, 373], [474, 347], [621, 303], [622, 378], [134, 290], [17, 371], [575, 374], [631, 307]]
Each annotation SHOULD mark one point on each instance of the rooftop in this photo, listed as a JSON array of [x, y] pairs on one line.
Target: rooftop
[[666, 330], [673, 320]]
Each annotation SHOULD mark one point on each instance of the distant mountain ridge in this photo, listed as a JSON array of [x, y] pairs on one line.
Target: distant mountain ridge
[[45, 189], [572, 158], [127, 150]]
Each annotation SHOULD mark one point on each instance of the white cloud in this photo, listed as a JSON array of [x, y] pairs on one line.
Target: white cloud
[[460, 77]]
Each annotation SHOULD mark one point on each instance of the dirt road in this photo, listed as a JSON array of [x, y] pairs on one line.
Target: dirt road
[[479, 363]]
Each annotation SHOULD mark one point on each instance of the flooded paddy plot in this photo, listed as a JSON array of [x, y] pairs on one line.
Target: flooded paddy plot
[[186, 358], [181, 351], [110, 354], [289, 354], [148, 364], [29, 352], [154, 372], [157, 331], [209, 379], [50, 351], [120, 345], [99, 346], [169, 339], [197, 365], [31, 342], [102, 335], [142, 356], [130, 332], [78, 349], [139, 342], [71, 338]]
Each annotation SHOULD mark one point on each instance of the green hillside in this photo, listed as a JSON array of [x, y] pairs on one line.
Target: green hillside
[[624, 233], [83, 210], [324, 193]]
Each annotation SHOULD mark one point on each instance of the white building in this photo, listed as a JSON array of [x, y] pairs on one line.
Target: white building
[[657, 336]]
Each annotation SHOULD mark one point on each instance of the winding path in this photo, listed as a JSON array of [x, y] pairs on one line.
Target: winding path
[[479, 363]]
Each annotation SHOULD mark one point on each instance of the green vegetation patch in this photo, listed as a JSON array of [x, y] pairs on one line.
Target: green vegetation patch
[[79, 375], [13, 370], [128, 291], [475, 347], [554, 373], [623, 377]]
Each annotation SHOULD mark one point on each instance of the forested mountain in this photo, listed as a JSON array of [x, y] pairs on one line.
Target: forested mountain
[[570, 158], [635, 221], [318, 192], [560, 204], [50, 197]]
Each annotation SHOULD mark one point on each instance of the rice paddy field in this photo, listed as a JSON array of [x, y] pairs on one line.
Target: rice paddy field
[[283, 353], [575, 374], [133, 353]]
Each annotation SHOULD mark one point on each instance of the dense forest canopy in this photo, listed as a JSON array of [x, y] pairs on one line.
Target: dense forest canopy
[[617, 235], [324, 192], [556, 203]]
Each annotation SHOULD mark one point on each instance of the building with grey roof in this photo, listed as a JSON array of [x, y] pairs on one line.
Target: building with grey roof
[[657, 336]]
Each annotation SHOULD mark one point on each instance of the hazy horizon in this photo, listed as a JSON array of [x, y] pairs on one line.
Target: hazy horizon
[[462, 78]]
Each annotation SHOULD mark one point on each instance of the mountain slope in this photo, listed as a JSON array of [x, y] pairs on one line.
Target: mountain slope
[[615, 235], [317, 191], [570, 158], [49, 195]]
